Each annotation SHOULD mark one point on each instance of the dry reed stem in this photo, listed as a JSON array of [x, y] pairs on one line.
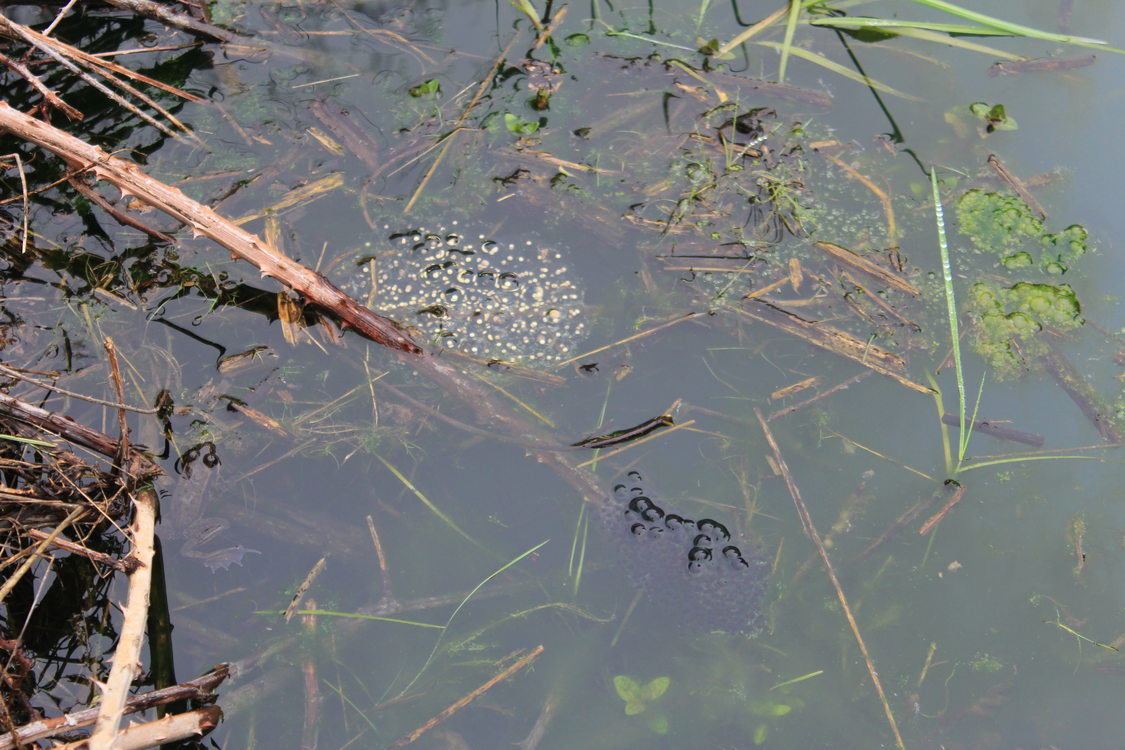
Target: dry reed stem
[[834, 340], [823, 394], [161, 731], [128, 177], [857, 261], [1016, 184], [61, 53], [627, 339], [127, 658], [196, 689], [810, 530], [466, 700], [888, 206], [34, 557]]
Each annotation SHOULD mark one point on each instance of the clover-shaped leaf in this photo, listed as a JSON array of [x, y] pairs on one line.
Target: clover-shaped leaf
[[638, 697]]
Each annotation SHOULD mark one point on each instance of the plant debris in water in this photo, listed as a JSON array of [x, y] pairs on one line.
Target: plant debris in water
[[696, 569], [476, 295]]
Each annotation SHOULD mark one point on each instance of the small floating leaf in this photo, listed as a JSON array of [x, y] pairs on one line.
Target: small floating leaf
[[655, 689]]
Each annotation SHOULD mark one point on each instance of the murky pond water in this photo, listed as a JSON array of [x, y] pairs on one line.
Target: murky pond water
[[585, 233]]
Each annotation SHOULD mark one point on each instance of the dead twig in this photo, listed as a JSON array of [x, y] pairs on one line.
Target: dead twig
[[161, 13], [196, 689], [935, 519], [1016, 183], [127, 658], [810, 530], [466, 700], [129, 178]]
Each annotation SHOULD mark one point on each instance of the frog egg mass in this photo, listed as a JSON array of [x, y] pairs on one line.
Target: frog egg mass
[[473, 294]]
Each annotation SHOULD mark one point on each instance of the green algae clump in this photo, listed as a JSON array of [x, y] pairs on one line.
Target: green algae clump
[[1003, 225], [997, 223], [1009, 320]]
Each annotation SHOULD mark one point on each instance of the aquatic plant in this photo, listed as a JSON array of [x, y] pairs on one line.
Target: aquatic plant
[[637, 698]]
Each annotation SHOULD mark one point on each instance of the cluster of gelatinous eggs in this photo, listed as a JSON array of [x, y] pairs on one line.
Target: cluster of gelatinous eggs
[[695, 570], [474, 294]]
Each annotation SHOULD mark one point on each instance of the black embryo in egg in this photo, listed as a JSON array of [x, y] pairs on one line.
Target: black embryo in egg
[[705, 576]]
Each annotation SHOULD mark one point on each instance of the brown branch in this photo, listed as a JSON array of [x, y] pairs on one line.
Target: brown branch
[[180, 21], [78, 182], [466, 700], [50, 96], [936, 518], [129, 178], [59, 52], [196, 689], [74, 432]]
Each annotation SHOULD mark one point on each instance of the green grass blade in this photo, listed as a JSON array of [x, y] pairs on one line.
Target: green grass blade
[[577, 562], [839, 69], [940, 403], [1021, 459], [787, 44], [893, 25], [961, 43], [950, 307], [27, 441], [525, 7], [1007, 26]]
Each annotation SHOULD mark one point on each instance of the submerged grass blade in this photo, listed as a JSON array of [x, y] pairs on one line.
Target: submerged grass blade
[[577, 562], [350, 615], [940, 402], [468, 596], [433, 508]]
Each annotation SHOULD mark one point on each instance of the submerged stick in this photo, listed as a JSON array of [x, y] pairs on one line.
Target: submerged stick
[[997, 430], [466, 700], [810, 530]]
